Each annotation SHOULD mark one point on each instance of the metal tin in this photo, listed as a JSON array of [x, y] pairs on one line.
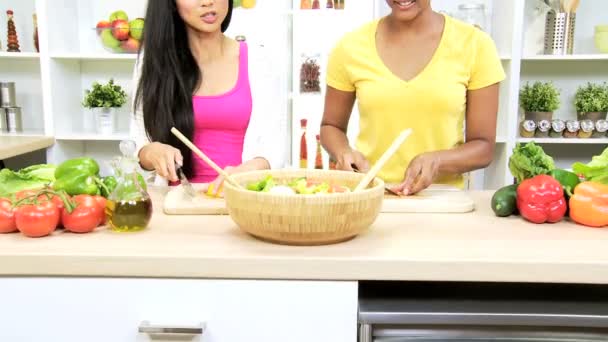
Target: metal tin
[[527, 128], [543, 129], [587, 127], [13, 119], [557, 128], [7, 94], [572, 128], [601, 127], [559, 33], [3, 121]]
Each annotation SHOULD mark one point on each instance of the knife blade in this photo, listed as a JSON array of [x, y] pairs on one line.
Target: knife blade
[[185, 183], [386, 187]]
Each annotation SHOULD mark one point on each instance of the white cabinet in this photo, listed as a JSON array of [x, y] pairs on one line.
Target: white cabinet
[[104, 309]]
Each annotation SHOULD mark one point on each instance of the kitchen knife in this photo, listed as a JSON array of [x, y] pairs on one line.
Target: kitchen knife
[[185, 183]]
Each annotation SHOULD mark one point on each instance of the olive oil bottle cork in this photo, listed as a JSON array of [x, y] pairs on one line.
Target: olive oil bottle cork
[[601, 127], [587, 128], [543, 128], [527, 129], [572, 128], [557, 128]]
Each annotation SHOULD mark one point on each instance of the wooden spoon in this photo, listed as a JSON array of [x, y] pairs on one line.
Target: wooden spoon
[[574, 5], [383, 159], [200, 153]]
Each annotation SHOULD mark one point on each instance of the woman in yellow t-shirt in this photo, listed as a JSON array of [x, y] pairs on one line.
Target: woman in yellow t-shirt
[[418, 69]]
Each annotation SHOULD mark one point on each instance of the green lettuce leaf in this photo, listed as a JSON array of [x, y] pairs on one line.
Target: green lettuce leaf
[[596, 170], [12, 182], [528, 161]]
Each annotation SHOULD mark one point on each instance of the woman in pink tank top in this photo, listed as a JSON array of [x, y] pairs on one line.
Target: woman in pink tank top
[[196, 79]]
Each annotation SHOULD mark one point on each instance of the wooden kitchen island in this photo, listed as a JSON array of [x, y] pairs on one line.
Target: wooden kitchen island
[[190, 269]]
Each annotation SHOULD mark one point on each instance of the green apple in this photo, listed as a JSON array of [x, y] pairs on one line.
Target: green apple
[[136, 28], [108, 40], [119, 15], [236, 3]]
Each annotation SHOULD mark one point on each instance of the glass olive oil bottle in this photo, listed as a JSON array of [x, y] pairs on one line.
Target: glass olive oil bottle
[[129, 207]]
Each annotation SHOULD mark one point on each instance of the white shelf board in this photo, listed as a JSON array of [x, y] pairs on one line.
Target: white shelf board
[[24, 134], [20, 55], [582, 57], [596, 141], [93, 137], [501, 139], [96, 56]]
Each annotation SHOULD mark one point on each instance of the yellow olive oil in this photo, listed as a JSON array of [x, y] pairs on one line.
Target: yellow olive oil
[[129, 216]]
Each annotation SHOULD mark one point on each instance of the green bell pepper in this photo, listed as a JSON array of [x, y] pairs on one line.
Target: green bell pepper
[[110, 183], [83, 165], [567, 179], [76, 183]]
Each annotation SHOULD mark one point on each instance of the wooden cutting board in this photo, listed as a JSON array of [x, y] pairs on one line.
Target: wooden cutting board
[[435, 199], [177, 202]]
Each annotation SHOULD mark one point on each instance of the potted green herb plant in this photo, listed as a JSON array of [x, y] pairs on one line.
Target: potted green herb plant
[[591, 102], [103, 100], [539, 100]]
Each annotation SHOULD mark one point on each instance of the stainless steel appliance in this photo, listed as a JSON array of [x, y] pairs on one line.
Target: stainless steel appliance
[[484, 312]]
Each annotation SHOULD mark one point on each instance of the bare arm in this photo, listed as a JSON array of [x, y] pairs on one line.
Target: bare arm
[[338, 108], [478, 150], [476, 153]]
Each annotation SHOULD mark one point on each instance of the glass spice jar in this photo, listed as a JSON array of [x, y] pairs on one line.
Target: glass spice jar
[[339, 4], [330, 4], [572, 128], [587, 127], [557, 128], [310, 74], [543, 128], [474, 14], [601, 127], [527, 129]]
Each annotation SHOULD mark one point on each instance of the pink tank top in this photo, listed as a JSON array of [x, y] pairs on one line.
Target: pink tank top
[[220, 123]]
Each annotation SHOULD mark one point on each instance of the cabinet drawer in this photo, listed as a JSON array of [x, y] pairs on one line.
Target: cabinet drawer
[[107, 309]]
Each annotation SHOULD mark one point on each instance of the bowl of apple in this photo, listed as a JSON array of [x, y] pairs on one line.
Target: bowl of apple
[[118, 34]]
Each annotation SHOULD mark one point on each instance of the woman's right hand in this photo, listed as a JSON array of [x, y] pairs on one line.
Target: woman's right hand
[[161, 158], [346, 160]]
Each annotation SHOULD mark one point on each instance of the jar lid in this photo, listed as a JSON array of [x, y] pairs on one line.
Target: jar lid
[[544, 126], [529, 125], [587, 126], [573, 126], [558, 125], [601, 126], [471, 6]]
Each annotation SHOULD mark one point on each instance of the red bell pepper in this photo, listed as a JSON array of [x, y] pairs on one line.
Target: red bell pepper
[[541, 199]]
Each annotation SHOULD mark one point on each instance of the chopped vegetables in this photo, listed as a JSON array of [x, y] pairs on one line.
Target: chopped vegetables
[[299, 186]]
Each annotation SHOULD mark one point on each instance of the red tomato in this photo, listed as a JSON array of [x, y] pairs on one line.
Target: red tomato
[[7, 217], [37, 220], [24, 193], [101, 201], [85, 217]]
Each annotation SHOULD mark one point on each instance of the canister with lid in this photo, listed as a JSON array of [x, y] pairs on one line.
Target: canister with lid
[[543, 128], [587, 127], [557, 128], [3, 121], [601, 127], [572, 128], [527, 129], [13, 119]]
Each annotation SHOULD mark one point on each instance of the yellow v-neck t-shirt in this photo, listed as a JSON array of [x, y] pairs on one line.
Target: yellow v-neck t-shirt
[[433, 103]]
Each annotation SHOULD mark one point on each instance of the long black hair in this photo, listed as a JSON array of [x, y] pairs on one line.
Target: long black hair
[[169, 76]]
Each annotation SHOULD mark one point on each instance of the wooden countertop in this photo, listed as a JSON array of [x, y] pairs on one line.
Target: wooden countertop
[[14, 145], [450, 247]]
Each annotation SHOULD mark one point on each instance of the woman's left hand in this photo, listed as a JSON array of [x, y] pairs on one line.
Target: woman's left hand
[[420, 174]]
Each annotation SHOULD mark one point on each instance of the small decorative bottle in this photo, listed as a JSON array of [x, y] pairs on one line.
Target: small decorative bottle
[[129, 207], [305, 4], [330, 4], [319, 156], [303, 145], [316, 4], [36, 44], [12, 44]]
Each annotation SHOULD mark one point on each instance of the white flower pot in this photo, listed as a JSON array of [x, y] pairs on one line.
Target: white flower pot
[[105, 120]]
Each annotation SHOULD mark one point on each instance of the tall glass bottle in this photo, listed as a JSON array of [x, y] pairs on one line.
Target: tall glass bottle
[[319, 156], [129, 207]]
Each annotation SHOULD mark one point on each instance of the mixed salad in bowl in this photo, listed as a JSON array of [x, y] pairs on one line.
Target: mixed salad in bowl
[[299, 186]]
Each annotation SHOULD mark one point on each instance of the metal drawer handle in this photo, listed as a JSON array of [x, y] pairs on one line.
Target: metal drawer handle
[[146, 328]]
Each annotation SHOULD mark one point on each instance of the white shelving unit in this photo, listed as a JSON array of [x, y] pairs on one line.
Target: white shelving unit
[[50, 84]]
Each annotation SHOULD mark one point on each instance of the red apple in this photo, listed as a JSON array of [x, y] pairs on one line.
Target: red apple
[[102, 25], [131, 45], [120, 29]]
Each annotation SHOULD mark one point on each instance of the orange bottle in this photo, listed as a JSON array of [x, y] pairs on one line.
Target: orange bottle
[[305, 4], [303, 146]]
